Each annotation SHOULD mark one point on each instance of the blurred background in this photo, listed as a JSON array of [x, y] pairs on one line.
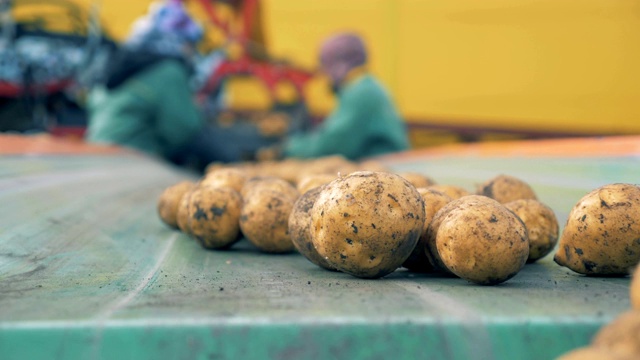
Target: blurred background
[[458, 70]]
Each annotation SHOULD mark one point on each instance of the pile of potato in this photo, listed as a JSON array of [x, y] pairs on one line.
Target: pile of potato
[[362, 219]]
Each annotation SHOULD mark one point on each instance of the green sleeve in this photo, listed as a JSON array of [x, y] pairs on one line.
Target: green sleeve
[[177, 116], [335, 135]]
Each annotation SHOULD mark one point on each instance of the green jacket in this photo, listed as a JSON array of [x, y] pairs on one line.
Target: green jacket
[[365, 123], [153, 111]]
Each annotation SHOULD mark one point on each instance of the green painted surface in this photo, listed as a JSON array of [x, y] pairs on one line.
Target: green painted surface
[[87, 271]]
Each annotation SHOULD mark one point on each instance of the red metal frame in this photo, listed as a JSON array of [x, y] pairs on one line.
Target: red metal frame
[[270, 73]]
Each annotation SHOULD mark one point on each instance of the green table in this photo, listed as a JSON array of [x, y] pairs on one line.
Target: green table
[[87, 271]]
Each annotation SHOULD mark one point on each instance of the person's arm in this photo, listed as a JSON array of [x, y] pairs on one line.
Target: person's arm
[[340, 133], [178, 118]]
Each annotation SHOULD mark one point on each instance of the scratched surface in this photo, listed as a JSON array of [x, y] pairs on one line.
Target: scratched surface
[[88, 271]]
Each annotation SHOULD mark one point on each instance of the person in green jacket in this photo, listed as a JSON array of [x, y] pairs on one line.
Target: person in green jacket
[[365, 122], [146, 102]]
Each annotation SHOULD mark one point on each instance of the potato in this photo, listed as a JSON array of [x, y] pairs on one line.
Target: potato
[[622, 335], [541, 223], [479, 240], [635, 289], [416, 179], [455, 192], [602, 233], [594, 353], [300, 228], [169, 202], [233, 178], [433, 201], [182, 215], [261, 183], [214, 214], [367, 223], [264, 220], [505, 188], [312, 181]]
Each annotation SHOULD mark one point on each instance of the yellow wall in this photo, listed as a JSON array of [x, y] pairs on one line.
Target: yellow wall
[[530, 65], [554, 65]]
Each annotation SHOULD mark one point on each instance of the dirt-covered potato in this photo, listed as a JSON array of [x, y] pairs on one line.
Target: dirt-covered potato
[[594, 353], [264, 220], [312, 181], [261, 183], [417, 179], [169, 201], [214, 214], [478, 239], [367, 223], [182, 214], [506, 188], [433, 201], [635, 288], [300, 228], [541, 223], [454, 191], [622, 335], [233, 178], [602, 233]]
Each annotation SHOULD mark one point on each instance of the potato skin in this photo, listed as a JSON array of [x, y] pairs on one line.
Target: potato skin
[[541, 223], [481, 241], [260, 183], [622, 335], [182, 215], [169, 202], [233, 178], [300, 228], [602, 233], [367, 223], [506, 188], [264, 220], [214, 216], [433, 201]]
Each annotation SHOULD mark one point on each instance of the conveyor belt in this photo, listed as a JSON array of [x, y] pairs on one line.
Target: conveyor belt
[[87, 270]]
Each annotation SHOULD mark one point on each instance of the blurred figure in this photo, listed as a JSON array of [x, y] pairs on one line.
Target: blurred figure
[[146, 102], [365, 122]]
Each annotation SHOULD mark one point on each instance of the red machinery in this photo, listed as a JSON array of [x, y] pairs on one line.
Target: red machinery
[[270, 73]]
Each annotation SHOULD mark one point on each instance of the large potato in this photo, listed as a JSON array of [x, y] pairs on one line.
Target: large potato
[[214, 214], [367, 223], [300, 228], [480, 240], [602, 233], [622, 335], [169, 202], [264, 220], [506, 188], [541, 223], [433, 201]]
